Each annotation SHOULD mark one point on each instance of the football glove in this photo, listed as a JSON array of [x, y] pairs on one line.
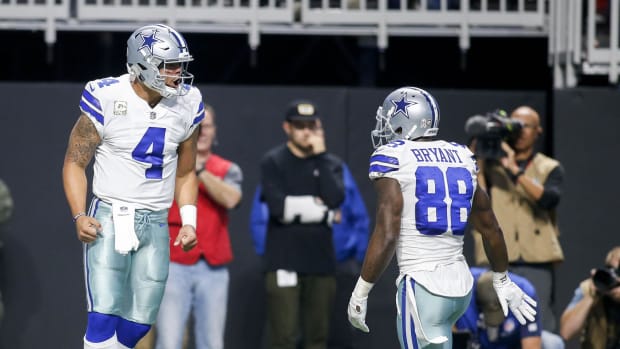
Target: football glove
[[357, 312], [511, 296], [358, 304]]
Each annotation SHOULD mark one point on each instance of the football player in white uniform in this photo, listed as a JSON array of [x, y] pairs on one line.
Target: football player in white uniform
[[141, 128], [427, 192]]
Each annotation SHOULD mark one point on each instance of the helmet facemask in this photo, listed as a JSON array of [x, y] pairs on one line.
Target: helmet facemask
[[383, 132]]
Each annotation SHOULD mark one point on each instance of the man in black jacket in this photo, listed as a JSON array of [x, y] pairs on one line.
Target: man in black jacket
[[303, 188]]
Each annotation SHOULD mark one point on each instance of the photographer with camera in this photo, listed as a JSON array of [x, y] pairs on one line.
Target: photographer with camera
[[594, 310], [525, 189]]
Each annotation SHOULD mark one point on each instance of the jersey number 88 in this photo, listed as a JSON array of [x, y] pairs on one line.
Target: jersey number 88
[[444, 200]]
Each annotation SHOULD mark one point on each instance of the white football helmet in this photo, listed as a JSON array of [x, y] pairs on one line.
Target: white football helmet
[[407, 113], [153, 47]]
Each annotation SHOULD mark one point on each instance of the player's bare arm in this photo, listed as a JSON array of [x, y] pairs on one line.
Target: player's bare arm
[[83, 141], [186, 188], [384, 238], [523, 307], [484, 220]]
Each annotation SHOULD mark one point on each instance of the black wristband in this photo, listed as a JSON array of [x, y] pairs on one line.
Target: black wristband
[[198, 172]]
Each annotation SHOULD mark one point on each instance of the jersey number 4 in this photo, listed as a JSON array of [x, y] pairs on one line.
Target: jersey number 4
[[154, 139], [444, 200]]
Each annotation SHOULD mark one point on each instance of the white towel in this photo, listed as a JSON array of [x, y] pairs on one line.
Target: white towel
[[125, 238]]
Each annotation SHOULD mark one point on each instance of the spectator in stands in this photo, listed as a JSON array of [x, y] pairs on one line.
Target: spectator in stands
[[490, 329], [594, 311], [525, 187], [302, 186]]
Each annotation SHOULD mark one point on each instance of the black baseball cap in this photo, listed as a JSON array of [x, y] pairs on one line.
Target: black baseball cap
[[302, 110]]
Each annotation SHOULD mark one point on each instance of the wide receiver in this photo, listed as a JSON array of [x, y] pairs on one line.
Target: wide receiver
[[427, 192]]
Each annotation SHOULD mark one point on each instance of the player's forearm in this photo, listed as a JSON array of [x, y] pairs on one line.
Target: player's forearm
[[186, 189], [380, 251], [495, 250], [485, 222], [75, 186]]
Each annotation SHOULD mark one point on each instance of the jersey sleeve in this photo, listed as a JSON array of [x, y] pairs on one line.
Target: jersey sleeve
[[90, 105], [198, 111], [197, 117], [384, 162]]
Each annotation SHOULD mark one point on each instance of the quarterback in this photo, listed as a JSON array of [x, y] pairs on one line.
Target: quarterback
[[141, 129], [427, 193]]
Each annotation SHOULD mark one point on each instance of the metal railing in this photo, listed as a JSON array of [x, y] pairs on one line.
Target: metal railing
[[599, 54], [339, 17], [583, 39]]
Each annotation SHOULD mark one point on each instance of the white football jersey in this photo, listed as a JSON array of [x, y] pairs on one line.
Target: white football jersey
[[136, 161], [438, 181]]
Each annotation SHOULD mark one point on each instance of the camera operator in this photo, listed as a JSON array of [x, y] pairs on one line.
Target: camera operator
[[594, 310], [525, 189]]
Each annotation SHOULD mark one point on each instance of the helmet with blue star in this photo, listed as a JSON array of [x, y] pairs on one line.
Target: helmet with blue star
[[156, 52], [406, 113]]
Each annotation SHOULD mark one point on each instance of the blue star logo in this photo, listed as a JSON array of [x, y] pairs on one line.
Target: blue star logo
[[149, 40], [401, 106]]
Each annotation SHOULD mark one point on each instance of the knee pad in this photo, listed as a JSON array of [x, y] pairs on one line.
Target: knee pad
[[129, 333], [100, 327]]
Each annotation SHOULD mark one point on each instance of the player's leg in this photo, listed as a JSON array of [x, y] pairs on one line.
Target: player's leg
[[434, 316], [317, 297], [148, 273], [148, 341], [210, 306], [282, 312], [104, 272], [129, 333], [101, 331], [110, 343]]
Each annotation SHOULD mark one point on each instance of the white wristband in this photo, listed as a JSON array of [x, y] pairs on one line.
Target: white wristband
[[188, 215], [362, 288], [500, 278]]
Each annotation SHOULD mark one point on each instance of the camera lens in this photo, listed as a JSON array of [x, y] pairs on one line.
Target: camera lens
[[604, 280]]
